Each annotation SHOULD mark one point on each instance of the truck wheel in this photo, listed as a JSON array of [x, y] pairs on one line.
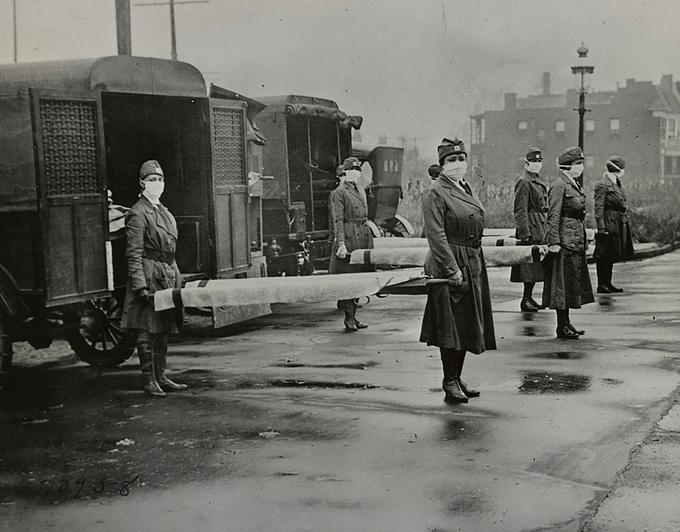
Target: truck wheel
[[99, 339]]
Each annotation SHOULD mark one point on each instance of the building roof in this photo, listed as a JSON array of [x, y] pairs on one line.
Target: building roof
[[668, 99], [119, 73]]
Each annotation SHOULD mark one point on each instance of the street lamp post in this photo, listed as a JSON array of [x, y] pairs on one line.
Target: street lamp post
[[583, 72]]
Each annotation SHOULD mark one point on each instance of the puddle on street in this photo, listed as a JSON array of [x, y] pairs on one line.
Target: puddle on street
[[606, 303], [456, 429], [553, 382], [295, 383], [559, 355], [357, 365]]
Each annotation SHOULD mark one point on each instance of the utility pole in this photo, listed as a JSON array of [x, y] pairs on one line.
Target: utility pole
[[14, 27], [173, 33], [123, 27]]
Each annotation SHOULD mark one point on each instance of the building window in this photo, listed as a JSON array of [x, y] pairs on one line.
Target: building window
[[560, 126], [590, 125], [522, 125], [589, 161], [670, 124], [614, 125], [540, 134], [671, 166]]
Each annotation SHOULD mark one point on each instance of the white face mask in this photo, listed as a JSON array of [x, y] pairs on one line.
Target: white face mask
[[154, 189], [534, 166], [364, 181], [455, 170], [620, 174], [353, 176], [575, 171]]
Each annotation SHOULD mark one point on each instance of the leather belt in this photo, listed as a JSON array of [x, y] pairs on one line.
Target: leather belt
[[161, 256]]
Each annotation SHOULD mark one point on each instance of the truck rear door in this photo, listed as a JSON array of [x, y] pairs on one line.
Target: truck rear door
[[230, 186], [70, 163]]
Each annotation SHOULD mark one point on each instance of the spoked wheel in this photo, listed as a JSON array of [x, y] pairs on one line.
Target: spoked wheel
[[100, 340]]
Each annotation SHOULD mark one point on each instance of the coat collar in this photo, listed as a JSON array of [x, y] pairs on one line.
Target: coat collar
[[570, 182], [535, 178], [456, 191], [162, 219]]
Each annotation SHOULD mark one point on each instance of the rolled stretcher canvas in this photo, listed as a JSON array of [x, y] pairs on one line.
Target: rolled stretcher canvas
[[415, 256], [220, 292]]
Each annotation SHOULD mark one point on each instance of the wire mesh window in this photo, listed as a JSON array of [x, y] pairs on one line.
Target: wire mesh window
[[228, 148], [70, 150]]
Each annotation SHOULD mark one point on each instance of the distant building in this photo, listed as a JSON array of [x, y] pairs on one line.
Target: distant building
[[640, 122]]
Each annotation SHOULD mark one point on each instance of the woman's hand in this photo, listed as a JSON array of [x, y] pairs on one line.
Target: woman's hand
[[145, 294], [457, 278], [554, 248], [341, 253]]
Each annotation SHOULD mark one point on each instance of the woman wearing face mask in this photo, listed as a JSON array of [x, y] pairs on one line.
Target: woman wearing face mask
[[457, 315], [567, 283], [613, 241], [531, 213], [151, 242], [349, 209]]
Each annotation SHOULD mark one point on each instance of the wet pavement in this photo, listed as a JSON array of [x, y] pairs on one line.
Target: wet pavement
[[291, 424]]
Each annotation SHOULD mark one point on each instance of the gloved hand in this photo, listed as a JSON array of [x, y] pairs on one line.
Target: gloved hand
[[554, 248], [602, 232], [145, 294], [525, 241], [341, 253], [456, 278]]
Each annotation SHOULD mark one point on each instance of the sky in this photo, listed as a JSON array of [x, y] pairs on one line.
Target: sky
[[411, 68]]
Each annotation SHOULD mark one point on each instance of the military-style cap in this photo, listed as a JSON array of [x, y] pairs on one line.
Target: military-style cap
[[534, 154], [339, 171], [617, 161], [351, 163], [150, 168], [450, 147], [434, 170], [569, 156]]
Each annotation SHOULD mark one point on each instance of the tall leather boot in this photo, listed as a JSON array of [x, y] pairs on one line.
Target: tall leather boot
[[145, 351], [603, 277], [6, 351], [470, 392], [350, 310], [161, 352], [359, 324], [450, 383]]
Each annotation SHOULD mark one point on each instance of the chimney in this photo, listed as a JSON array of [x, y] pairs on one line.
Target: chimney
[[630, 82], [510, 100], [546, 83], [667, 82]]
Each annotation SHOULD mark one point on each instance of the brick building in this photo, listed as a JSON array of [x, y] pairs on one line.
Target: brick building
[[640, 121]]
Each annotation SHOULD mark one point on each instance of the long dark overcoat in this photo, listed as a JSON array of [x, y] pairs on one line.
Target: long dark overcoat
[[349, 210], [610, 214], [454, 222], [150, 252], [567, 282], [531, 216]]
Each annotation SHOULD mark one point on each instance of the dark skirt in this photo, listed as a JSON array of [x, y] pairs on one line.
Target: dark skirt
[[614, 247], [527, 273], [567, 282], [461, 321]]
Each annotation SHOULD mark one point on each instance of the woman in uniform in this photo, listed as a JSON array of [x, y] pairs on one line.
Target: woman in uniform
[[531, 213], [613, 241], [151, 242], [349, 210], [567, 283], [457, 316]]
